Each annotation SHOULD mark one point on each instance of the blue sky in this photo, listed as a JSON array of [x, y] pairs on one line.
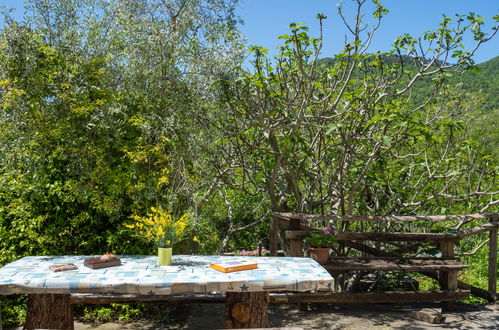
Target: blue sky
[[265, 20]]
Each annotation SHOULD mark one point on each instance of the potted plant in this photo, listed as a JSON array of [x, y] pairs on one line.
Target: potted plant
[[160, 226], [320, 243]]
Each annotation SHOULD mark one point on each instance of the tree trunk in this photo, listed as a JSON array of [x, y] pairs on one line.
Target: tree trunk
[[246, 310], [49, 311]]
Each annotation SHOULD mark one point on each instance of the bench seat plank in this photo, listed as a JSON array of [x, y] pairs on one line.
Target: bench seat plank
[[393, 264], [378, 236], [284, 298], [395, 236], [370, 297]]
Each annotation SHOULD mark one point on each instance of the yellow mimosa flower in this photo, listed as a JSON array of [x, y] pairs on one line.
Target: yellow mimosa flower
[[160, 226]]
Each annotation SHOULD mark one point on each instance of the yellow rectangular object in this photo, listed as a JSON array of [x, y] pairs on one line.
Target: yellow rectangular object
[[233, 266]]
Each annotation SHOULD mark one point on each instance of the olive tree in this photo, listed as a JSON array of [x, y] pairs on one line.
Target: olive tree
[[162, 56]]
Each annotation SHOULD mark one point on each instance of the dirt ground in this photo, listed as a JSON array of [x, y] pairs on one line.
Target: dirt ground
[[324, 316]]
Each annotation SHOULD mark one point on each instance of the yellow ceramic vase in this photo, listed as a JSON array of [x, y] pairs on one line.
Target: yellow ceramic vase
[[164, 256]]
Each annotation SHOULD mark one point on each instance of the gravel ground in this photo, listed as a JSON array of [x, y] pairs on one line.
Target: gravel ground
[[326, 316], [380, 316]]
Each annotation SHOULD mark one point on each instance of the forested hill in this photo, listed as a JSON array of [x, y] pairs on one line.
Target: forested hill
[[485, 82], [482, 112], [478, 91]]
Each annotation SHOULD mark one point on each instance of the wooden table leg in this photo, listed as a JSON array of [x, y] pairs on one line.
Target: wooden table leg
[[246, 310], [49, 311]]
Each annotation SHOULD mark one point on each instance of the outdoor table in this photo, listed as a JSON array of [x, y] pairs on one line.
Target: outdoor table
[[247, 292]]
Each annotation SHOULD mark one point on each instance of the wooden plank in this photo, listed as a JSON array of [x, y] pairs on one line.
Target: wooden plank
[[395, 236], [493, 262], [369, 297], [393, 264], [388, 218], [296, 234], [49, 311], [280, 298], [85, 298], [246, 310], [395, 258], [477, 229], [274, 236]]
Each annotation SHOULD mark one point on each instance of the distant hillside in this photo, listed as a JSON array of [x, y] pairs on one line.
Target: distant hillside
[[482, 117], [480, 111], [485, 82]]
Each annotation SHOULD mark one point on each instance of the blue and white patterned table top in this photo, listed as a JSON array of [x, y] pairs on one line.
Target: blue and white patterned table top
[[142, 275]]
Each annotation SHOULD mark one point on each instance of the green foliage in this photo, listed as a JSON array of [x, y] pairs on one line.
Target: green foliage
[[96, 126], [64, 166], [324, 238], [477, 272], [164, 314], [13, 310], [108, 108], [346, 135]]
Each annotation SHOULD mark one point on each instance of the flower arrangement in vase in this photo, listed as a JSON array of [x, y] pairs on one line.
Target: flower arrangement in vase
[[161, 227], [320, 242]]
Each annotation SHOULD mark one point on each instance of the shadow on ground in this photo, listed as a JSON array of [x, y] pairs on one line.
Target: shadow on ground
[[324, 316], [355, 316]]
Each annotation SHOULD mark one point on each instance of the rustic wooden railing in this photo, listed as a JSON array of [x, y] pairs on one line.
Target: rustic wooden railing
[[298, 230]]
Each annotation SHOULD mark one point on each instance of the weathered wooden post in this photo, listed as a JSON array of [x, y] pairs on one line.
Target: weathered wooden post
[[295, 243], [49, 311], [274, 230], [448, 279], [246, 310], [493, 263], [296, 250]]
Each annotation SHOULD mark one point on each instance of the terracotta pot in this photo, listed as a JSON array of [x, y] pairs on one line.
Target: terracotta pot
[[164, 256], [321, 255]]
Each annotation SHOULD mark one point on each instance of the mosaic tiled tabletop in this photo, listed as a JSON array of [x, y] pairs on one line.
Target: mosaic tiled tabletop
[[142, 275]]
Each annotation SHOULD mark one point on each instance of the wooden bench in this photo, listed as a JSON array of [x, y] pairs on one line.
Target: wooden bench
[[444, 269], [340, 265], [345, 264]]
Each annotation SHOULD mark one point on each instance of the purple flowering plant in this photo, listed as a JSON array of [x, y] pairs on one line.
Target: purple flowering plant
[[255, 252], [323, 238]]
